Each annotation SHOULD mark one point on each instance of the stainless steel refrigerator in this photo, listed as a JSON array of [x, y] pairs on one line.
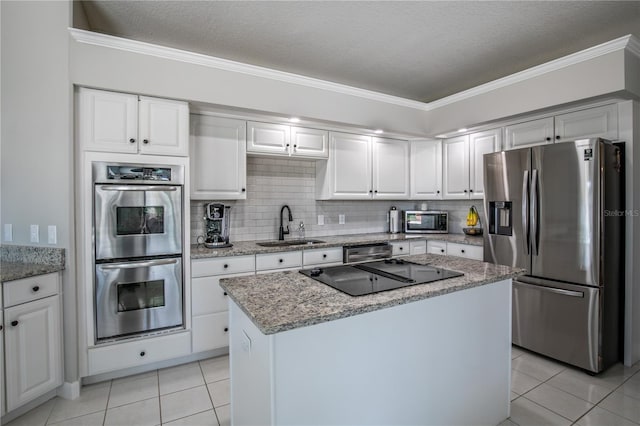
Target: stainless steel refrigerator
[[557, 211]]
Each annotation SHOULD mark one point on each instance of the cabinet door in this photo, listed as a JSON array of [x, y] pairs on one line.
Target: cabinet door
[[529, 133], [107, 121], [268, 138], [390, 169], [455, 167], [33, 350], [600, 122], [163, 127], [309, 142], [437, 247], [465, 250], [479, 144], [218, 158], [350, 166], [426, 170]]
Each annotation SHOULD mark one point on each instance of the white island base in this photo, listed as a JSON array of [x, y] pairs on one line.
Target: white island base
[[444, 360]]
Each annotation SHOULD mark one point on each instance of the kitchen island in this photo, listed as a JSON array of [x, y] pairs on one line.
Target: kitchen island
[[305, 353]]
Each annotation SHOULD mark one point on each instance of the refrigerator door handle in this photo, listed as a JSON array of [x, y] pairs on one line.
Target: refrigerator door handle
[[535, 220], [525, 208]]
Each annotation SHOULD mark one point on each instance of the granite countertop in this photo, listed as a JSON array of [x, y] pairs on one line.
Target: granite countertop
[[18, 262], [240, 248], [284, 301]]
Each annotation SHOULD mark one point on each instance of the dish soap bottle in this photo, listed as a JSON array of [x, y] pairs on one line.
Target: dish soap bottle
[[301, 230]]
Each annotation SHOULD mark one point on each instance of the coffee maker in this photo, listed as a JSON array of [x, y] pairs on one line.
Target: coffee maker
[[217, 219]]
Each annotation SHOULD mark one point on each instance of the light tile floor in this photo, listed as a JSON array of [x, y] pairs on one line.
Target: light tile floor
[[543, 392]]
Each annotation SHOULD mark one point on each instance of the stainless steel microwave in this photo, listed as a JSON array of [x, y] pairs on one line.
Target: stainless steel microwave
[[426, 222]]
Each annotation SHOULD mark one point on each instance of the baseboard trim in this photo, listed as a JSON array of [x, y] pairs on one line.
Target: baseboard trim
[[69, 390]]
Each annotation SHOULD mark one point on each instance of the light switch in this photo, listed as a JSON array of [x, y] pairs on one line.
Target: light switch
[[320, 219], [8, 232], [52, 234], [35, 234], [341, 219]]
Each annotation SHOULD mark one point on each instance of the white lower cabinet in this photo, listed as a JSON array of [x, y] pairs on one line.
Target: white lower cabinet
[[209, 302], [103, 359], [322, 256], [33, 340], [455, 249], [272, 262], [400, 248], [418, 247]]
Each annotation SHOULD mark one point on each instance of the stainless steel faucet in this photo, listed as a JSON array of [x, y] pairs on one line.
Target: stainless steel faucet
[[282, 230]]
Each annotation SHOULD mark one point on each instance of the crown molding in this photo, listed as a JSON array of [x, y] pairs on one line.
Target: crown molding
[[144, 48], [628, 42]]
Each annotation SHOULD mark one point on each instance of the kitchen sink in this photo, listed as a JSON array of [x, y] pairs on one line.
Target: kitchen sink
[[289, 243]]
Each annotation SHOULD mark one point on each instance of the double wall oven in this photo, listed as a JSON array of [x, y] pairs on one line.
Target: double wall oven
[[138, 234]]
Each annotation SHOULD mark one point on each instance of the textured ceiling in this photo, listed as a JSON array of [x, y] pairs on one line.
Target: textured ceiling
[[421, 50]]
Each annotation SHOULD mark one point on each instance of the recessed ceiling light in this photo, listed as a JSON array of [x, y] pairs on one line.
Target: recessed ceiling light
[[294, 120], [464, 129], [378, 131]]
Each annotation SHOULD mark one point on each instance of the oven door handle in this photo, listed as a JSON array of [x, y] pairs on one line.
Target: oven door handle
[[138, 188], [141, 264]]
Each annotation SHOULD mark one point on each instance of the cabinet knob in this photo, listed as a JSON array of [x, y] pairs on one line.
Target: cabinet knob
[[0, 328], [376, 191], [442, 250], [226, 329], [35, 288], [462, 250], [280, 260], [438, 191], [225, 266], [324, 256], [145, 141], [225, 293], [471, 190], [465, 191], [548, 139], [370, 192], [295, 146], [14, 323], [132, 140], [287, 145], [558, 137], [143, 353], [244, 190], [401, 248]]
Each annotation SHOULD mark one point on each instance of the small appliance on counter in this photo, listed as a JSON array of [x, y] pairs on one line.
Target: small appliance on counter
[[426, 222], [217, 218], [395, 221]]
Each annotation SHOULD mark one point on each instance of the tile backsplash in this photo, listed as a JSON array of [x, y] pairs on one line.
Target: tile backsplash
[[273, 182]]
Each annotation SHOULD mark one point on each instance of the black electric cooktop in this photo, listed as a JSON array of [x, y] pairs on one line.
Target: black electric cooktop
[[374, 277]]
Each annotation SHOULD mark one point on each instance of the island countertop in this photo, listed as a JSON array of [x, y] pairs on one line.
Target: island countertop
[[284, 301]]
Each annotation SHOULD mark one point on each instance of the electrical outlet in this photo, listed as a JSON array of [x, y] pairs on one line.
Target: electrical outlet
[[8, 232], [341, 219], [320, 219], [52, 237], [35, 234]]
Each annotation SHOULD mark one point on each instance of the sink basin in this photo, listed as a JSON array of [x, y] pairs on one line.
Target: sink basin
[[288, 243]]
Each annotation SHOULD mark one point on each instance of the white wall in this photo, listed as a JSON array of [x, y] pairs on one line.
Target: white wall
[[37, 156]]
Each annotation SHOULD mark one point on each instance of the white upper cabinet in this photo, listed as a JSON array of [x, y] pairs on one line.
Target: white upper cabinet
[[455, 167], [390, 169], [589, 123], [426, 170], [119, 122], [280, 139], [309, 142], [163, 126], [594, 122], [268, 138], [529, 133], [347, 174], [363, 168], [479, 144], [463, 163], [218, 158]]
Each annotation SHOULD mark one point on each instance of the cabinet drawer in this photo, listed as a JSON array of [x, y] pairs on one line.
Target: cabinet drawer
[[28, 289], [131, 354], [322, 256], [465, 250], [289, 259], [210, 331], [437, 247], [418, 247], [207, 296], [400, 249], [222, 265]]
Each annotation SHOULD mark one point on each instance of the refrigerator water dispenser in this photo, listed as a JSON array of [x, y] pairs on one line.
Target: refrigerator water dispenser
[[500, 218]]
